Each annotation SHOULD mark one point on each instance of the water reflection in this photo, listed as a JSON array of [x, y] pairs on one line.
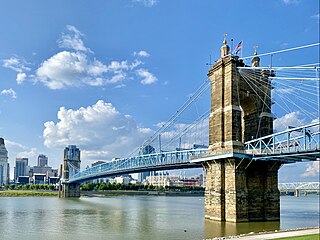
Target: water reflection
[[135, 217], [220, 229]]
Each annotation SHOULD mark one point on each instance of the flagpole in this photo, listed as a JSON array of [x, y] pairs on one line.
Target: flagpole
[[241, 47], [231, 46]]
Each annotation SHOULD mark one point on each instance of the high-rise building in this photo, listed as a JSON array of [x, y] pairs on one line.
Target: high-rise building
[[3, 163], [22, 168], [71, 161], [143, 175], [42, 160]]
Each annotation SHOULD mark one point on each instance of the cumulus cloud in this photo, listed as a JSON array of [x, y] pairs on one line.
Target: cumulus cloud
[[147, 77], [290, 119], [99, 130], [76, 68], [21, 77], [66, 69], [10, 92], [312, 170], [70, 69]]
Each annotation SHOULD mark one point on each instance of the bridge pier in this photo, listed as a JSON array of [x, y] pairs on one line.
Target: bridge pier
[[240, 191], [70, 190]]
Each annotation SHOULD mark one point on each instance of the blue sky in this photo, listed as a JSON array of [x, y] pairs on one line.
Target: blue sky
[[103, 74]]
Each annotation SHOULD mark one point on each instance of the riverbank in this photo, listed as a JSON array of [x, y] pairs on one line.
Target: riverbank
[[104, 193], [28, 193], [305, 234], [142, 193]]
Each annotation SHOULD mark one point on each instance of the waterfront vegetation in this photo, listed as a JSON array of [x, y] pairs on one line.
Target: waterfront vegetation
[[137, 187], [27, 190], [28, 193], [48, 187]]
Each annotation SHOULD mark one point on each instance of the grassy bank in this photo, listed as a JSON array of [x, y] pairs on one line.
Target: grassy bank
[[306, 237], [28, 193]]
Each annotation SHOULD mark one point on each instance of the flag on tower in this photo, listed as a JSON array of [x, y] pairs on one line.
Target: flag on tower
[[237, 49]]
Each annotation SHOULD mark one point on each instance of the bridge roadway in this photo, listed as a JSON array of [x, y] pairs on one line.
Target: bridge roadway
[[289, 146]]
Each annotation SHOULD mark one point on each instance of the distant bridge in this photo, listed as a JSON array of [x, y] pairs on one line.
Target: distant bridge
[[299, 188], [305, 186]]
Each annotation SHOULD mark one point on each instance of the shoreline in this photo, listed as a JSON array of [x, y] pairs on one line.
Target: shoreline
[[28, 193], [140, 193], [105, 193], [282, 234]]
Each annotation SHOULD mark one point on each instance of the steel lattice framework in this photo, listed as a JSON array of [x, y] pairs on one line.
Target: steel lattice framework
[[149, 162], [299, 186], [293, 144]]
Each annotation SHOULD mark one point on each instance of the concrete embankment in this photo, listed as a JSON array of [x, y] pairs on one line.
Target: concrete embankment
[[276, 235]]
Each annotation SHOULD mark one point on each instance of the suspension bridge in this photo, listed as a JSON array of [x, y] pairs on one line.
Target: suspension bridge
[[263, 115]]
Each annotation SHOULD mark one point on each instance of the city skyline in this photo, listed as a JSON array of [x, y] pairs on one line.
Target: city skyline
[[90, 75]]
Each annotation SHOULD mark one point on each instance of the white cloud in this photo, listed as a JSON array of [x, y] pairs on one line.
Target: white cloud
[[30, 153], [316, 17], [76, 67], [141, 53], [72, 40], [148, 78], [67, 69], [147, 3], [20, 78], [290, 119], [312, 170], [290, 2], [99, 130], [16, 64], [9, 92]]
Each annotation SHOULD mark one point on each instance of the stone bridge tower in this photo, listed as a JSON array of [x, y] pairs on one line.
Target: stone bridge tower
[[238, 189], [71, 165]]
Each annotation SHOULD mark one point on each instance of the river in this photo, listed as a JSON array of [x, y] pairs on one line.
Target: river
[[135, 217]]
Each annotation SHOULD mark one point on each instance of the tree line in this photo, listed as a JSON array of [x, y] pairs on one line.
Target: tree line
[[105, 186], [136, 187], [49, 187]]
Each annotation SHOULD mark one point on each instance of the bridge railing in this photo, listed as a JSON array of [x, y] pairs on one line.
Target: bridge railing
[[140, 162], [298, 139]]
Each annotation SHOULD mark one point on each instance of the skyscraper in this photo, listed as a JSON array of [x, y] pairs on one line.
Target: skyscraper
[[71, 161], [21, 168], [42, 160], [3, 163], [143, 175]]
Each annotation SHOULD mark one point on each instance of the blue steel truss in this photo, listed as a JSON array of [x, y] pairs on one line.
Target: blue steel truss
[[291, 145], [148, 162], [295, 143]]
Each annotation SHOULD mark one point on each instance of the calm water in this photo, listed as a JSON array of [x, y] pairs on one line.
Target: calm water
[[135, 217]]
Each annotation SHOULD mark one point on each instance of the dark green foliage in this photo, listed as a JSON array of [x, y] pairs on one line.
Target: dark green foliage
[[135, 187]]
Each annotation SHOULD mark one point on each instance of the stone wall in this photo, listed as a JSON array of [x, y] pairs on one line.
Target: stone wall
[[241, 191]]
